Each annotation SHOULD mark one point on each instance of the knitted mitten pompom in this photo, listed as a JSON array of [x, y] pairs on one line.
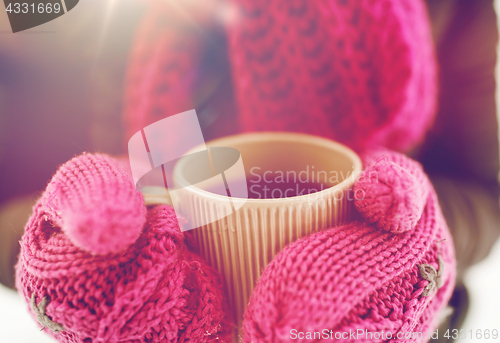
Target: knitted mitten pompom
[[97, 266], [394, 275], [392, 192]]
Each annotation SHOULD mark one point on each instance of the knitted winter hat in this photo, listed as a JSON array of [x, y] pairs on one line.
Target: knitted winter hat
[[359, 72], [96, 266], [393, 273]]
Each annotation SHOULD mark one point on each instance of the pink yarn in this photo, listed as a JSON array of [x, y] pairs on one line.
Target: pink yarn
[[111, 273], [356, 276], [392, 193], [360, 72], [94, 203]]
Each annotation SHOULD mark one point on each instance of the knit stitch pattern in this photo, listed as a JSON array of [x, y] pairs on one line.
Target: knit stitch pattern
[[360, 72], [392, 191], [166, 65], [357, 276], [153, 289]]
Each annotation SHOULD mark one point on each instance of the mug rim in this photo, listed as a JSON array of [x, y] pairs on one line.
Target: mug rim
[[281, 137]]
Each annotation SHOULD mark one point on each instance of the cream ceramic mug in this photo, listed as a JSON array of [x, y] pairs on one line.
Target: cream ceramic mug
[[298, 184]]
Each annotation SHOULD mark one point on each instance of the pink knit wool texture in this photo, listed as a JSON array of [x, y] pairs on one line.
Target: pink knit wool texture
[[359, 72], [361, 275], [392, 193], [111, 270], [362, 73]]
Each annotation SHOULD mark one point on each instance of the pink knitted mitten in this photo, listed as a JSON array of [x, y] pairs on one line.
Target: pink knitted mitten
[[394, 272], [97, 266]]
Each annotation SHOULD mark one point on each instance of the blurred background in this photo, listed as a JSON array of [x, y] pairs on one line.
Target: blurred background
[[62, 88]]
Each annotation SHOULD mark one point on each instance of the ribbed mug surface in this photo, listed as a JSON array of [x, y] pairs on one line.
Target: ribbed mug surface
[[243, 241]]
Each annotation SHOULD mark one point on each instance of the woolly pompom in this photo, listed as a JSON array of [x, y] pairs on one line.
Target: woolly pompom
[[389, 196], [95, 203]]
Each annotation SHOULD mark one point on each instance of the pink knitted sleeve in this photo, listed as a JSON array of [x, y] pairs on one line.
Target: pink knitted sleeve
[[163, 77], [360, 72]]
